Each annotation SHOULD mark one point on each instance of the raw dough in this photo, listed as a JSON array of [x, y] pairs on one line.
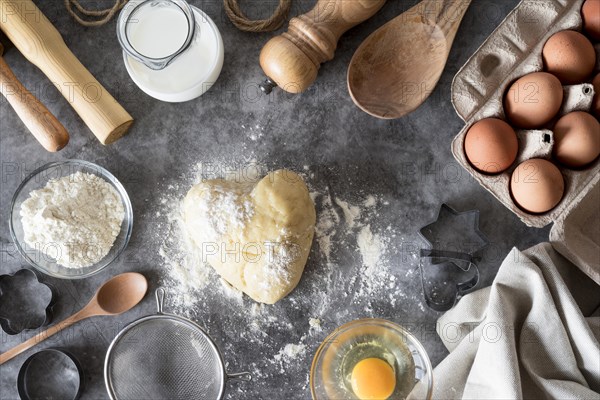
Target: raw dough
[[257, 237]]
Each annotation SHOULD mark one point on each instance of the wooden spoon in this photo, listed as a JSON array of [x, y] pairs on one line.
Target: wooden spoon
[[37, 118], [115, 296], [397, 67]]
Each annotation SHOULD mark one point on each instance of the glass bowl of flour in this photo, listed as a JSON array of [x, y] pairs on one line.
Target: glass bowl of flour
[[71, 219]]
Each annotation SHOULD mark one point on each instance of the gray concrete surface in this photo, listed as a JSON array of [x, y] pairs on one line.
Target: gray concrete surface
[[405, 161]]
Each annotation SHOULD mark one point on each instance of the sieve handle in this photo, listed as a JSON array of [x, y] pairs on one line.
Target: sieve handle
[[160, 299], [240, 376]]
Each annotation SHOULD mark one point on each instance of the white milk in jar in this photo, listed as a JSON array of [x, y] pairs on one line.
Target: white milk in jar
[[170, 54]]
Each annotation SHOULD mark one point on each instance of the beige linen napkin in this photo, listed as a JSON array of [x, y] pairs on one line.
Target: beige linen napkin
[[533, 334]]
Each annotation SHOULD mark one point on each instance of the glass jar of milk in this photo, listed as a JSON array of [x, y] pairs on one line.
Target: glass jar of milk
[[172, 51]]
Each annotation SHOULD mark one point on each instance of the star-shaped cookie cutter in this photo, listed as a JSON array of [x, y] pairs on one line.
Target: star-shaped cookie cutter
[[454, 239]]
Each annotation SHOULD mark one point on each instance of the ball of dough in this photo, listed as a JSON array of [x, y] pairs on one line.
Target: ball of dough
[[257, 237]]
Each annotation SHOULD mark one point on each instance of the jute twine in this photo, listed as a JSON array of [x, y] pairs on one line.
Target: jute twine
[[92, 17], [239, 19], [88, 17]]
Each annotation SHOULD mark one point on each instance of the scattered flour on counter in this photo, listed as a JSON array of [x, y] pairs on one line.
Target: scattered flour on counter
[[370, 201], [315, 324], [351, 213], [231, 292], [327, 221], [371, 248], [254, 133], [290, 352], [355, 231], [74, 219], [181, 258]]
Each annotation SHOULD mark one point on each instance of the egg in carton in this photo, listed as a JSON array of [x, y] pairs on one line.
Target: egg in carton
[[513, 50]]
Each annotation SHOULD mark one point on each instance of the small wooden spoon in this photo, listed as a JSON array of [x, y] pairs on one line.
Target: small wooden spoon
[[397, 67], [115, 296]]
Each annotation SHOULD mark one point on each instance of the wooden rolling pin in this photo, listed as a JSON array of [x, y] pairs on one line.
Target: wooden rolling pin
[[292, 60], [39, 41], [37, 118]]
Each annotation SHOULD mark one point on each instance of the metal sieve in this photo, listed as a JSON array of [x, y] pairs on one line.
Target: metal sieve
[[165, 356]]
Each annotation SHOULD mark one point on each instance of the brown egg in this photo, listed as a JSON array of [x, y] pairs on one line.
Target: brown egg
[[596, 102], [591, 18], [570, 56], [537, 185], [576, 139], [491, 145], [533, 100]]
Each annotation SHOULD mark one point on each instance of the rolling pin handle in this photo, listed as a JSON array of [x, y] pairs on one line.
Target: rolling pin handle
[[267, 86]]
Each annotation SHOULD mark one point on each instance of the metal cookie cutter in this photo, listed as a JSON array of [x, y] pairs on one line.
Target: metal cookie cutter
[[449, 265], [50, 374], [25, 302]]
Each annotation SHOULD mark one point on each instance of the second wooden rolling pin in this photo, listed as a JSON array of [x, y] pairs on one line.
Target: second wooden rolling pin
[[37, 118], [39, 41]]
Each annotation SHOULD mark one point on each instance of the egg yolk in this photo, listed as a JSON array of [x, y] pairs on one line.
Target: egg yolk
[[373, 379]]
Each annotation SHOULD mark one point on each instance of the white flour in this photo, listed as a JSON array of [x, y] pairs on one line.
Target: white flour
[[370, 246], [74, 220], [221, 209], [290, 352], [351, 213], [181, 257], [315, 324], [327, 220]]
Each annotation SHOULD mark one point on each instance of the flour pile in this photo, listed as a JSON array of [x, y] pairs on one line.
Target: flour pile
[[73, 220]]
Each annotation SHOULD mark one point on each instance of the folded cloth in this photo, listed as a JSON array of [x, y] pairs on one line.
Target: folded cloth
[[533, 334]]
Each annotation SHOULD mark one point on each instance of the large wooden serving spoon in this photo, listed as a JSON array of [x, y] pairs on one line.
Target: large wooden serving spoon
[[115, 296], [397, 67]]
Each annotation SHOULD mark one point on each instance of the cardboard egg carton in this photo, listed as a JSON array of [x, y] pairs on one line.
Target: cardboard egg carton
[[513, 50]]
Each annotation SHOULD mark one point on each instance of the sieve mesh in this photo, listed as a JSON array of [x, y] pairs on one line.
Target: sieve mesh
[[164, 357]]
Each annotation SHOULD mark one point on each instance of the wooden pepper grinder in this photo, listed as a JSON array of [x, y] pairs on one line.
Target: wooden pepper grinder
[[292, 59]]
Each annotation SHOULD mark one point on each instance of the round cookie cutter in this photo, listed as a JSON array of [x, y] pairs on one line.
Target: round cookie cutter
[[25, 302], [53, 374]]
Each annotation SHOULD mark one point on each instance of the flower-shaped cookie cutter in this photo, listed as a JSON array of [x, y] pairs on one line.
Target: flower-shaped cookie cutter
[[25, 302], [448, 266]]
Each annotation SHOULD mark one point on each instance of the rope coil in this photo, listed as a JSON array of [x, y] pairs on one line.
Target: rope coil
[[95, 18], [242, 22], [92, 17]]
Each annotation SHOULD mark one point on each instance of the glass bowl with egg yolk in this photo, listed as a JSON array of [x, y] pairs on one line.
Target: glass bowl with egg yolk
[[371, 359]]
